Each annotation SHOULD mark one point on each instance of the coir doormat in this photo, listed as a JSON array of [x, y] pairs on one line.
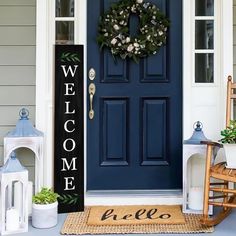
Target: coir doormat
[[76, 224], [135, 215]]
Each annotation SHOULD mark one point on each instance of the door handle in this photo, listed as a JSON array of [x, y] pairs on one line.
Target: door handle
[[91, 90]]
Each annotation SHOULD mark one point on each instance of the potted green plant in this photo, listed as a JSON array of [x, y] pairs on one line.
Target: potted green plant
[[44, 209], [229, 142]]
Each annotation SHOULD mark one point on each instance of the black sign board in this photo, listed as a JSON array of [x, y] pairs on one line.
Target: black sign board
[[69, 128]]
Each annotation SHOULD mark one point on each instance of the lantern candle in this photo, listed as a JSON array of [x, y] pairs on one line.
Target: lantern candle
[[195, 198], [18, 196], [12, 219]]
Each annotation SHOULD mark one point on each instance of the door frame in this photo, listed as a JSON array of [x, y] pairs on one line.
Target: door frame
[[44, 89]]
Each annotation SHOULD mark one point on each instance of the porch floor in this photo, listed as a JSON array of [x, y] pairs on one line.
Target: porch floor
[[226, 228]]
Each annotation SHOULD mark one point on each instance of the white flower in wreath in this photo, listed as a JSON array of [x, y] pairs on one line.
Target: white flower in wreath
[[127, 40], [153, 22], [130, 48], [113, 41], [160, 33], [139, 1], [106, 34], [133, 9], [122, 22], [136, 45], [148, 37], [116, 27], [145, 5]]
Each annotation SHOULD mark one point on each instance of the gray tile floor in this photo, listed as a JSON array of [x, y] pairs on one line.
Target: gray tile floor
[[226, 228]]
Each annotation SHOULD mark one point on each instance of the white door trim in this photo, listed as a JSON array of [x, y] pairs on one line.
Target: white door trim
[[44, 80]]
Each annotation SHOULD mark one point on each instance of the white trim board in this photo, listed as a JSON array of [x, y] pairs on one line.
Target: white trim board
[[193, 103], [171, 197]]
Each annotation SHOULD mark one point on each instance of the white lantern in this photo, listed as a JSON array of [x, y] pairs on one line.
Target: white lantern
[[194, 172], [24, 135], [13, 197]]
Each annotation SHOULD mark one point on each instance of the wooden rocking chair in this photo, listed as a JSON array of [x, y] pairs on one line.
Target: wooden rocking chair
[[220, 172]]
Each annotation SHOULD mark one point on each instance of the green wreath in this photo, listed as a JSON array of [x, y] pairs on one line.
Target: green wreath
[[113, 31]]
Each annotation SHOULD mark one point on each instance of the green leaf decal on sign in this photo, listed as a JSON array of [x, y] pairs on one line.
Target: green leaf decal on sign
[[69, 199], [69, 57]]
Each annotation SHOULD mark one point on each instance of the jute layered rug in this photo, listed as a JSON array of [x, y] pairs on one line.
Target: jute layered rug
[[81, 222]]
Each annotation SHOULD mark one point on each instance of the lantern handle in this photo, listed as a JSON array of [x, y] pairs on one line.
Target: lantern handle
[[198, 126], [24, 114]]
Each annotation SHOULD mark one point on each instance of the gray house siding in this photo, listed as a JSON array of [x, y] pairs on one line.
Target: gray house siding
[[17, 68]]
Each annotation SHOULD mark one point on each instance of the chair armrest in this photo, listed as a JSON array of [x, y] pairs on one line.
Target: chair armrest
[[211, 143]]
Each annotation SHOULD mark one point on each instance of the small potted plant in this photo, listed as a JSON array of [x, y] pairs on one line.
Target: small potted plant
[[44, 209], [229, 142]]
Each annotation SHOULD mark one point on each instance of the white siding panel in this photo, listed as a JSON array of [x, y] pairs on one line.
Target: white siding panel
[[3, 131], [17, 55], [17, 69], [1, 155], [17, 15], [10, 114], [17, 95], [17, 35], [17, 75], [234, 39], [17, 2]]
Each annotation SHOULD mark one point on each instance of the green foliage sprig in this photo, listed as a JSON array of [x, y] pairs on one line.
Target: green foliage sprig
[[229, 134], [45, 196], [113, 30], [69, 57], [69, 199]]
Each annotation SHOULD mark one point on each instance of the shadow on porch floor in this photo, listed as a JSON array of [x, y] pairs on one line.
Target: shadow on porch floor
[[226, 228]]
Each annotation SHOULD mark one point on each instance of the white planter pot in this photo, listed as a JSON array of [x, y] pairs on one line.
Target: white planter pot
[[44, 216], [230, 154]]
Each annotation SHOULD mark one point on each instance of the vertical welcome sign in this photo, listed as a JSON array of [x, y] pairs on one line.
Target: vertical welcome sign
[[69, 126]]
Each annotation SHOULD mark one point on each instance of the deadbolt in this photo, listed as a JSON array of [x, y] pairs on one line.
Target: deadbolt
[[92, 74]]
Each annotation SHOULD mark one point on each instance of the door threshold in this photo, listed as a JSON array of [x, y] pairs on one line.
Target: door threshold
[[134, 197]]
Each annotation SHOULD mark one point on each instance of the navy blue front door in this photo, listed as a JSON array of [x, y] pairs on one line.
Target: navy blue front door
[[135, 138]]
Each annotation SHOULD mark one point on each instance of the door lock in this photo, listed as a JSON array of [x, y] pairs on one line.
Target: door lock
[[92, 74]]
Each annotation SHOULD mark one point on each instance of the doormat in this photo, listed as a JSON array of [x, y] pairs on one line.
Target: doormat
[[135, 215], [76, 224]]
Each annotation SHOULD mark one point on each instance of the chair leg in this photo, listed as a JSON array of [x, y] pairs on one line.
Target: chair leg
[[207, 185], [226, 199]]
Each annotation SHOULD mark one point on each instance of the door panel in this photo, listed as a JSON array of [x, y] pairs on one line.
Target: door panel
[[114, 147], [135, 138]]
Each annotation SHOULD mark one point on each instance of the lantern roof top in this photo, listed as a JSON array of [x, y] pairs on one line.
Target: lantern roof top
[[12, 165], [197, 135], [24, 127]]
